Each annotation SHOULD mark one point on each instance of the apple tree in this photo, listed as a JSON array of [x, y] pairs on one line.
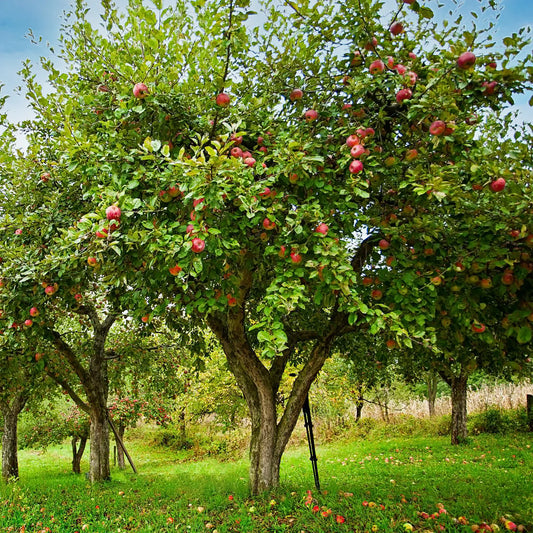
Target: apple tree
[[279, 179]]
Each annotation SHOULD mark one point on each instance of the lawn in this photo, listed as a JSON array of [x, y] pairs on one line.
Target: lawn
[[400, 484]]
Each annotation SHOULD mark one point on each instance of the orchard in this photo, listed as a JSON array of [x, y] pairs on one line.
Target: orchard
[[285, 180]]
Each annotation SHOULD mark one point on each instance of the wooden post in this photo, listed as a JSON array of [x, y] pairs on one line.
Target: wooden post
[[115, 455], [530, 411], [120, 443]]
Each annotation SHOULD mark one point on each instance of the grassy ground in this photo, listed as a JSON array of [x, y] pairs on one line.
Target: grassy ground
[[388, 485]]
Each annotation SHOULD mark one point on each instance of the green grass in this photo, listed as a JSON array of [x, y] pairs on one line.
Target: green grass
[[483, 481]]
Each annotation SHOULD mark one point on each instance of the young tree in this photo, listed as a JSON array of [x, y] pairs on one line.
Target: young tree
[[264, 173]]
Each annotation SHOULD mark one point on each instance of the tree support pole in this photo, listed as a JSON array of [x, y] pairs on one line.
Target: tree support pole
[[121, 444], [311, 439]]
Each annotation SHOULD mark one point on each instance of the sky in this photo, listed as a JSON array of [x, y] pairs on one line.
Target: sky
[[44, 19]]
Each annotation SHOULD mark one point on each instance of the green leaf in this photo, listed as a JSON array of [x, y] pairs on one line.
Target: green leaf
[[524, 335]]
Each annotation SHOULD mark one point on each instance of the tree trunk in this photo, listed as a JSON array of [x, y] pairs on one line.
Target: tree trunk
[[120, 452], [10, 413], [77, 453], [432, 381], [359, 403], [99, 468], [459, 396]]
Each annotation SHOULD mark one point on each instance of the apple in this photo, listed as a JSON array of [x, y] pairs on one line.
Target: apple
[[34, 312], [489, 87], [403, 94], [173, 191], [356, 166], [92, 261], [371, 45], [51, 289], [485, 283], [198, 245], [357, 151], [322, 228], [357, 60], [145, 318], [293, 178], [401, 69], [507, 278], [376, 294], [352, 140], [296, 94], [18, 232], [78, 297], [140, 90], [436, 280], [368, 281], [296, 257], [478, 328], [268, 224], [38, 356], [237, 139], [409, 2], [45, 176], [391, 344], [28, 322], [466, 60], [498, 185], [383, 244], [282, 250], [438, 127], [175, 270], [376, 67], [236, 152], [232, 301], [113, 212], [222, 100], [246, 154], [102, 233], [396, 28], [412, 77], [411, 154], [311, 115], [250, 161], [266, 192]]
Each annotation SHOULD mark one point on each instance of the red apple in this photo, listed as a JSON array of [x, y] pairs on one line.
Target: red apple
[[78, 297], [478, 328], [113, 212], [222, 100], [173, 191], [145, 318], [175, 270], [357, 151], [356, 166], [28, 322], [102, 233], [34, 311], [18, 232], [92, 261], [296, 257], [436, 280], [489, 87], [507, 278], [296, 94], [498, 185], [485, 283], [237, 139], [140, 90], [236, 152], [268, 224], [376, 294], [391, 344], [249, 161], [282, 250], [371, 45], [232, 301], [311, 115], [376, 66], [322, 228], [383, 244], [403, 94], [198, 245], [396, 28], [438, 127], [352, 140], [466, 60], [411, 154], [38, 356]]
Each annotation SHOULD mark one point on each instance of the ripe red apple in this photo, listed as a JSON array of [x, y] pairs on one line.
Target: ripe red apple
[[78, 297], [282, 250], [197, 201], [268, 224], [296, 94], [222, 100], [232, 301], [409, 2], [376, 67], [236, 152], [383, 244], [175, 270], [376, 294], [507, 278], [371, 45], [466, 60], [322, 228], [28, 322], [403, 94], [102, 233], [489, 87], [266, 192], [356, 166], [478, 328], [113, 212], [357, 151], [38, 356], [498, 185], [438, 127], [173, 191], [140, 90], [391, 344], [18, 232], [352, 140], [485, 283], [411, 154], [51, 289], [396, 28], [34, 311], [145, 318], [311, 115], [198, 245], [92, 261], [296, 257], [237, 139], [250, 161]]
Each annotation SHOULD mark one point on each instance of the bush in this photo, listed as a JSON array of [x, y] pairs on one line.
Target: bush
[[501, 421]]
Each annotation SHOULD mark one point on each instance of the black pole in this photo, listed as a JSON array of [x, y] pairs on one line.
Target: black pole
[[311, 439]]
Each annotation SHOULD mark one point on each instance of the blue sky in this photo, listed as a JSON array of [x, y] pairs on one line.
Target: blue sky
[[44, 18]]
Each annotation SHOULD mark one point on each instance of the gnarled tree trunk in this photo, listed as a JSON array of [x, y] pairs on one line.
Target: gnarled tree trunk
[[99, 468], [10, 413]]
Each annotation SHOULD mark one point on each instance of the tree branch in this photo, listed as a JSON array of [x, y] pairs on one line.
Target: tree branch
[[71, 392]]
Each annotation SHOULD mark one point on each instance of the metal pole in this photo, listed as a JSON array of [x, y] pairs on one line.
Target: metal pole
[[311, 439]]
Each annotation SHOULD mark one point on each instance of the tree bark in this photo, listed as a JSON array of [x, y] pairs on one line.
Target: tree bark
[[359, 403], [99, 467], [459, 412], [120, 452], [77, 452], [10, 413], [432, 381]]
